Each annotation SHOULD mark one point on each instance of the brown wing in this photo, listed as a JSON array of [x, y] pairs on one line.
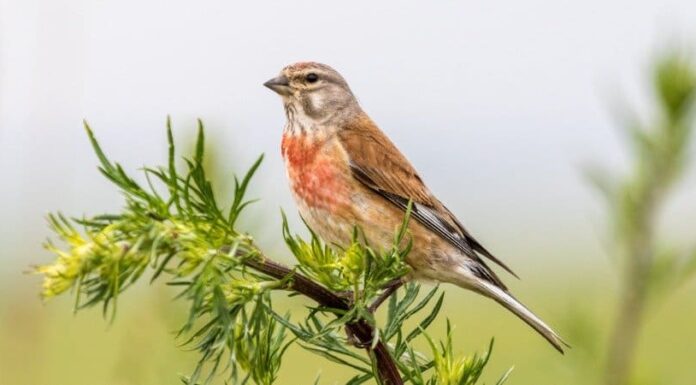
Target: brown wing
[[378, 164]]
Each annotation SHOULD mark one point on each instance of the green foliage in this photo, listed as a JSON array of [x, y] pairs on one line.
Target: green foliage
[[457, 371], [188, 239], [660, 152], [650, 269], [358, 268]]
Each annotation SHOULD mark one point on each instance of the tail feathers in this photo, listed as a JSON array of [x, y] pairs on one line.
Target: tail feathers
[[511, 303]]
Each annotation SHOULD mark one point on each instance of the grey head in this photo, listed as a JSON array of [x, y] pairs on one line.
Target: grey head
[[314, 92]]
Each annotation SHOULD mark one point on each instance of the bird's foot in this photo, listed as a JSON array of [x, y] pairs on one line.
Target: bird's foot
[[346, 295], [354, 340]]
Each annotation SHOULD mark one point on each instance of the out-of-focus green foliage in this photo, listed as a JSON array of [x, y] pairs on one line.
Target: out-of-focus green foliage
[[660, 152], [660, 148], [185, 236]]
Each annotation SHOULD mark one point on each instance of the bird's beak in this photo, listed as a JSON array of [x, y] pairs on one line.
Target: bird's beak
[[279, 85]]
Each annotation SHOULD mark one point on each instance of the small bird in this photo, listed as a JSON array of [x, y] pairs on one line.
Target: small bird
[[345, 172]]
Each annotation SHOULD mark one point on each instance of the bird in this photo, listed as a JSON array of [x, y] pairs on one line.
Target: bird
[[345, 173]]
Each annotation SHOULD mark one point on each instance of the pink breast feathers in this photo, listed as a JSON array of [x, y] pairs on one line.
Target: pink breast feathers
[[317, 172]]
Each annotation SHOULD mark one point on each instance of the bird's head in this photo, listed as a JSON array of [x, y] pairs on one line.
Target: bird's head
[[313, 90]]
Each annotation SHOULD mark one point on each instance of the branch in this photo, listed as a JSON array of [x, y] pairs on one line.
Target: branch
[[386, 365]]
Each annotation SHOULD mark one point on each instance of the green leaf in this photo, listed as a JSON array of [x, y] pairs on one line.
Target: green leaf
[[200, 144], [105, 163], [505, 376]]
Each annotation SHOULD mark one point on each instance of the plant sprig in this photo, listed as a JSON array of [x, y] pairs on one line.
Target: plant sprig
[[659, 154]]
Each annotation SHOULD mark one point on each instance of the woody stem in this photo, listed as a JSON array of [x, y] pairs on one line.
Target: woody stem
[[386, 366]]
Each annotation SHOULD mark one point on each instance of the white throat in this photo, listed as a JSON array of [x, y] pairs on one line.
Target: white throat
[[297, 120]]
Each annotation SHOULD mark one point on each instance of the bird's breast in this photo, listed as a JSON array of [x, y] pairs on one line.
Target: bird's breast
[[318, 172]]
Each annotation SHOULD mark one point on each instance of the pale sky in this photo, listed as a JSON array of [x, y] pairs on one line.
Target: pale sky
[[498, 104]]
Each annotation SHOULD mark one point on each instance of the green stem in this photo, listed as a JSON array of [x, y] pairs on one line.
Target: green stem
[[627, 327]]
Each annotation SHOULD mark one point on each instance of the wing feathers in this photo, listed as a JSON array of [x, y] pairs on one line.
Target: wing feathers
[[427, 217], [376, 163]]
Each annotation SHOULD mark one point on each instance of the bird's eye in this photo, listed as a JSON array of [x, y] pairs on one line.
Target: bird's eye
[[311, 77]]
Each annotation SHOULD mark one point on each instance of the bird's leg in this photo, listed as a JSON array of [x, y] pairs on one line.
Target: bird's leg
[[389, 289], [346, 295]]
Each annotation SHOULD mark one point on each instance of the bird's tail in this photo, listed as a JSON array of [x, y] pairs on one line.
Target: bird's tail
[[511, 303]]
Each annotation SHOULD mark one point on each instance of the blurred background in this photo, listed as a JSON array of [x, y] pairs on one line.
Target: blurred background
[[499, 105]]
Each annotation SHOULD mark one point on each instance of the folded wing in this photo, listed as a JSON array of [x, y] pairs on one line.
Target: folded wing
[[377, 163]]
